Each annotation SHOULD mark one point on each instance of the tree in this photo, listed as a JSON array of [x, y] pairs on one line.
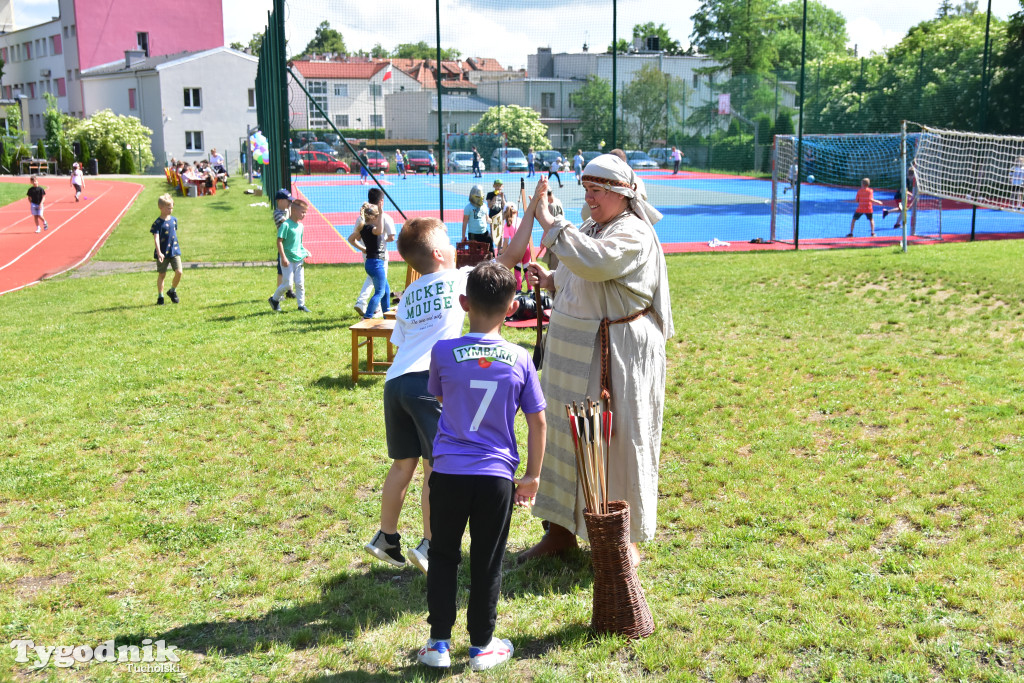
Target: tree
[[826, 33], [665, 42], [521, 124], [1005, 112], [107, 133], [325, 41], [945, 9], [55, 123], [736, 32], [594, 103], [254, 46], [421, 50], [649, 101]]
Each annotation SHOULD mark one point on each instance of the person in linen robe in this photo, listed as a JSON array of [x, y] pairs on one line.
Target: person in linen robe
[[611, 269]]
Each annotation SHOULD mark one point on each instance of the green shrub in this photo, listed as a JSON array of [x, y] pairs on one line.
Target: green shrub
[[127, 161], [109, 157]]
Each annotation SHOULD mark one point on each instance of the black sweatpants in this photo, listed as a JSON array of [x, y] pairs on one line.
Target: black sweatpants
[[485, 502]]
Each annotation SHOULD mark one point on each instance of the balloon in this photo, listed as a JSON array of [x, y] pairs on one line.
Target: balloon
[[260, 148]]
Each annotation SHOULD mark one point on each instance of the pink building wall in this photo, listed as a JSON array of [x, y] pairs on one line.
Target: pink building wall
[[106, 28]]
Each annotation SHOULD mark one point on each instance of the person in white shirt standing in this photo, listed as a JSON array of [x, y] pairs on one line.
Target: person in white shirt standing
[[77, 180]]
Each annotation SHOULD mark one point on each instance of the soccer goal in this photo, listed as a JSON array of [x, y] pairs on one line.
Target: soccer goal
[[830, 173], [979, 169]]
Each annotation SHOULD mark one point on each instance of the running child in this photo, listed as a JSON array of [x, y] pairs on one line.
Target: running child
[[865, 205], [482, 381], [293, 257], [399, 163], [428, 312], [35, 204], [166, 250], [77, 180], [553, 169]]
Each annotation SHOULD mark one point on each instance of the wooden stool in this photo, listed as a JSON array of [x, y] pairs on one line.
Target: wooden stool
[[367, 330], [389, 314]]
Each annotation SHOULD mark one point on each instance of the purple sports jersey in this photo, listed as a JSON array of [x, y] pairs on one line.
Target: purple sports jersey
[[483, 381]]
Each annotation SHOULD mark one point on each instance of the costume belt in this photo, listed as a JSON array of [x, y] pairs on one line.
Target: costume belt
[[602, 335]]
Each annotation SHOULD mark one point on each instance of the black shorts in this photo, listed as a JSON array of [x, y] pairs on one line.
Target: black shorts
[[411, 414], [857, 214]]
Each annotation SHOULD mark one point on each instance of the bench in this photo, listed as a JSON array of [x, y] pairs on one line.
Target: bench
[[363, 334]]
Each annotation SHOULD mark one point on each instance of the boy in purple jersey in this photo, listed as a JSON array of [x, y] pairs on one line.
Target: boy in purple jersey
[[429, 311], [483, 381]]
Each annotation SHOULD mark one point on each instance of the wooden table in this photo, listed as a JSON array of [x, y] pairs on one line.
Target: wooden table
[[363, 334]]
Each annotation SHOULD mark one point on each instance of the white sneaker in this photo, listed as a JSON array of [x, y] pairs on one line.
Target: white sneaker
[[435, 653], [418, 555], [497, 652], [38, 229]]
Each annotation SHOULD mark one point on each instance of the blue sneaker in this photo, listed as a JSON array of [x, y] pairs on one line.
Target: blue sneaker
[[497, 652], [435, 653]]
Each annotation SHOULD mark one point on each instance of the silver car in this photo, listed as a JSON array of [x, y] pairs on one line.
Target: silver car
[[463, 162], [639, 160]]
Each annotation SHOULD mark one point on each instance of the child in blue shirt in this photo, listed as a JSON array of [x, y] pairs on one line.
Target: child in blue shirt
[[482, 381], [166, 250]]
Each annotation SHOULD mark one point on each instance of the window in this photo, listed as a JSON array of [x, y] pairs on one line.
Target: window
[[41, 47], [377, 121], [318, 95], [192, 98], [7, 92], [73, 34], [56, 45], [3, 54], [341, 89], [547, 99], [28, 50], [62, 90], [193, 140], [131, 98], [376, 90], [143, 41], [32, 91], [65, 32], [696, 80], [252, 98], [341, 120]]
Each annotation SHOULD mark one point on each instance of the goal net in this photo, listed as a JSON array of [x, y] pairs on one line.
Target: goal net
[[831, 172], [974, 168]]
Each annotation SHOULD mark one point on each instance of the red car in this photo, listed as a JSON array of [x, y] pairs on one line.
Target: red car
[[376, 161], [322, 162], [419, 160]]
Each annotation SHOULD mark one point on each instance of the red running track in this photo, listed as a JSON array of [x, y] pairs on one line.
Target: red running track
[[77, 229]]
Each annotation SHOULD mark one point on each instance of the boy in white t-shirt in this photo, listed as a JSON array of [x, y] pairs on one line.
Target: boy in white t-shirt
[[428, 312]]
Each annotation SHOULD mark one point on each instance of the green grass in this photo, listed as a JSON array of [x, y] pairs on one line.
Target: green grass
[[221, 227], [842, 481]]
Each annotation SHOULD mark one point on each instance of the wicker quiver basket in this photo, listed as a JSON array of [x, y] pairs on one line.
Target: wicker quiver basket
[[619, 603]]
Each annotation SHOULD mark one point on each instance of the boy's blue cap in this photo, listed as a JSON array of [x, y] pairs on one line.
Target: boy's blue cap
[[283, 194]]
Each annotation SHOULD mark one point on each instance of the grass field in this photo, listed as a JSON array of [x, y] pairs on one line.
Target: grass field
[[842, 481]]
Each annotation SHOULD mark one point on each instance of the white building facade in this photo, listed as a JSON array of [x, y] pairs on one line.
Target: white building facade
[[192, 102]]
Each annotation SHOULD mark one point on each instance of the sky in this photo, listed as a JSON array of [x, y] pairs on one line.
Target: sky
[[509, 30]]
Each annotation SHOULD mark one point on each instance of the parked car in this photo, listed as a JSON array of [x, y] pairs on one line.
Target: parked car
[[377, 162], [322, 162], [295, 161], [639, 160], [331, 139], [418, 160], [508, 159], [590, 156], [463, 161], [663, 155], [318, 147], [544, 157]]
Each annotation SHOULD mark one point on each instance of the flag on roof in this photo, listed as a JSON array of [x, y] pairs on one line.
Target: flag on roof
[[387, 74]]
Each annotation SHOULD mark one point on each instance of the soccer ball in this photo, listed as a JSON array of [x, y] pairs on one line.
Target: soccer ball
[[810, 179]]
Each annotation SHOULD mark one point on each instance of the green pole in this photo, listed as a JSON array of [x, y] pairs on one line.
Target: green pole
[[800, 129], [440, 109], [615, 73], [983, 116]]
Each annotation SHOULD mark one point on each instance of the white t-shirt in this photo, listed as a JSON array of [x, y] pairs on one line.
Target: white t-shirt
[[76, 177], [428, 312]]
